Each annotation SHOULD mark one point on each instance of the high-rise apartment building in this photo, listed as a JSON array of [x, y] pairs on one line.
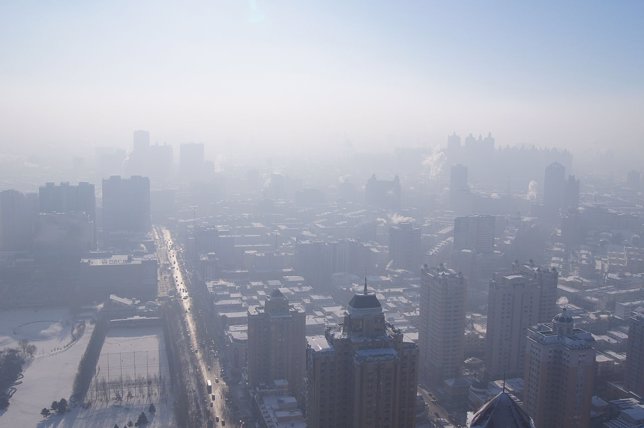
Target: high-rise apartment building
[[404, 246], [634, 373], [474, 233], [18, 213], [363, 375], [571, 193], [383, 193], [192, 163], [276, 344], [126, 204], [514, 305], [441, 333], [67, 198], [458, 179], [554, 187], [559, 374]]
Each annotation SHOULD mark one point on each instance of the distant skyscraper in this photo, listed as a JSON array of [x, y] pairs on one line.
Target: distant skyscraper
[[126, 204], [404, 246], [383, 193], [474, 233], [458, 179], [276, 343], [453, 144], [67, 198], [571, 193], [192, 162], [141, 141], [559, 374], [17, 219], [514, 303], [634, 373], [554, 187], [441, 333], [364, 376]]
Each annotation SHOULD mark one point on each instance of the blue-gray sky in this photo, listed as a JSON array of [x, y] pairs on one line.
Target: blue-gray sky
[[564, 73]]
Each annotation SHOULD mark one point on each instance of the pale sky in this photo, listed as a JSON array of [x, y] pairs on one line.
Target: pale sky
[[283, 73]]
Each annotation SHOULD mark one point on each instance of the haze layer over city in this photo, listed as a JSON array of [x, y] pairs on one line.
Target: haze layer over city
[[322, 214]]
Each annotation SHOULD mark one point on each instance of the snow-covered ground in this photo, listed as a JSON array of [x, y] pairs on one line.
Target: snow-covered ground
[[60, 343], [132, 372]]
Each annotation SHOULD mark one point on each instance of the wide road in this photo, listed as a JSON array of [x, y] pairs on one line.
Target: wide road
[[219, 408]]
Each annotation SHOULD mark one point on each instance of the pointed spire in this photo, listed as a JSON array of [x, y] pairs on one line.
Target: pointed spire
[[365, 285]]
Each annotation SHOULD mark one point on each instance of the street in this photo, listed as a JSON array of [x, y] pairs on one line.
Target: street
[[208, 367]]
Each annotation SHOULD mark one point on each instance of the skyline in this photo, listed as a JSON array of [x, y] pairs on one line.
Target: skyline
[[89, 73]]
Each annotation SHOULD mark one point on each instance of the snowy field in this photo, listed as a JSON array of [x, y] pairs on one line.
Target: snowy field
[[60, 343], [131, 373]]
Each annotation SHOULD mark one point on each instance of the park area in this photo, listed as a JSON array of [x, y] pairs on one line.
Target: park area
[[60, 340]]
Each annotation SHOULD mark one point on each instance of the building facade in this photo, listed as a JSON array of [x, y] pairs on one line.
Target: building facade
[[514, 305], [634, 380], [363, 375], [559, 374], [441, 333], [276, 343], [126, 204]]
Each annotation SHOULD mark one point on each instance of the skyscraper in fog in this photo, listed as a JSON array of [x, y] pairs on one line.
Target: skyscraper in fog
[[383, 193], [559, 374], [276, 343], [140, 140], [634, 373], [364, 375], [571, 193], [66, 198], [192, 162], [441, 333], [474, 233], [554, 187], [514, 304], [126, 204], [459, 191], [404, 246], [17, 219], [458, 179]]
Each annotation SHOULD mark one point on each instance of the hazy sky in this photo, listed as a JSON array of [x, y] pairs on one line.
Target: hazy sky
[[566, 73]]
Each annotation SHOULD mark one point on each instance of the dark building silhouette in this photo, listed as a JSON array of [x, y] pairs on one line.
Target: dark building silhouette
[[405, 246], [634, 373], [126, 204], [571, 193], [276, 344], [474, 233], [318, 260], [18, 213], [67, 198], [554, 188], [140, 140], [152, 161], [362, 375], [383, 193]]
